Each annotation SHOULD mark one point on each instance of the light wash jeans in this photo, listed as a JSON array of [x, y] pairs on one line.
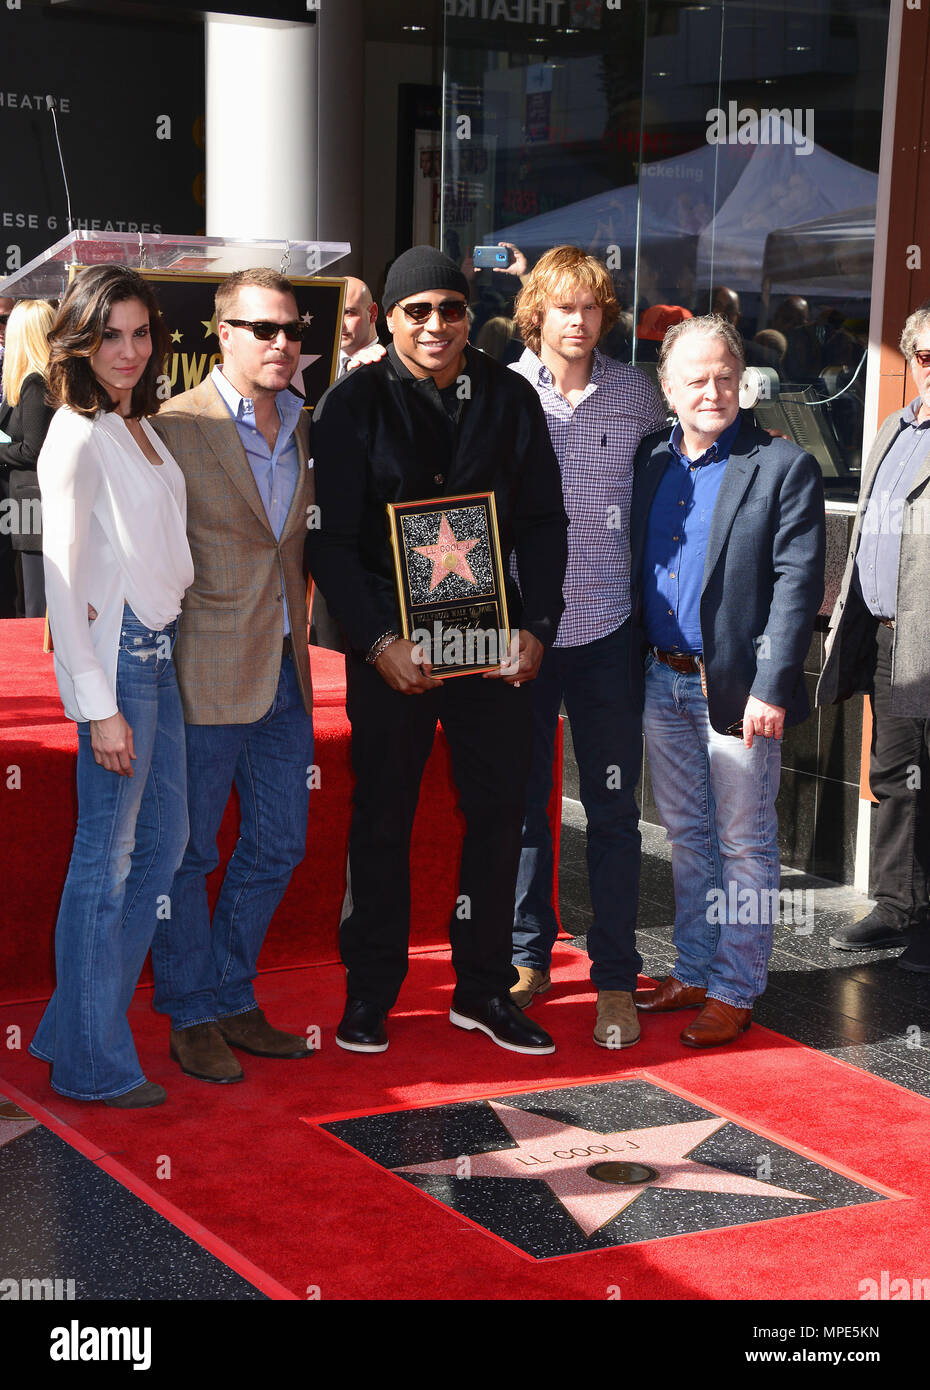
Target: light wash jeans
[[130, 837], [716, 799]]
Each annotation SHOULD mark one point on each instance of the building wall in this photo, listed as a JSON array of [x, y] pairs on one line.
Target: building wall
[[387, 65]]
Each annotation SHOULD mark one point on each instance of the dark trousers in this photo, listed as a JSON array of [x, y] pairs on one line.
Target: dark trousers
[[605, 711], [488, 727], [33, 583], [899, 775], [9, 583]]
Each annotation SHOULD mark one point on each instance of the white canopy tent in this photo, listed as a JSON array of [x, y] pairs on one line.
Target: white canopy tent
[[759, 192], [779, 188]]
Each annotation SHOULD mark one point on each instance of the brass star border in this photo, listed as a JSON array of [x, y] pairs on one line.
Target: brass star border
[[570, 1170]]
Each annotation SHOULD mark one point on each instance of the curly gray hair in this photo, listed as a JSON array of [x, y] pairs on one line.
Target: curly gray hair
[[913, 328]]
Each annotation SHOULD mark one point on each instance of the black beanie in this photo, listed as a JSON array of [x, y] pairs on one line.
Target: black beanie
[[419, 269]]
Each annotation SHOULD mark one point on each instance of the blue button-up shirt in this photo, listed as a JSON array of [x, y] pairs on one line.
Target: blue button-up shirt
[[880, 539], [275, 470], [595, 442], [676, 543]]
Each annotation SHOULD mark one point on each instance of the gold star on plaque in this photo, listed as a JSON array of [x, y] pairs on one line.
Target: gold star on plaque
[[306, 318], [176, 336], [209, 326]]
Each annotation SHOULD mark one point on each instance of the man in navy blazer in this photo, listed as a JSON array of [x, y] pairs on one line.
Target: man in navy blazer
[[727, 538]]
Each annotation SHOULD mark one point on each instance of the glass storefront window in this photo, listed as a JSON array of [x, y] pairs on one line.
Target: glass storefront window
[[719, 157]]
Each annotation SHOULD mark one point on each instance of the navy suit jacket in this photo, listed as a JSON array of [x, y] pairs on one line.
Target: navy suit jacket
[[763, 570]]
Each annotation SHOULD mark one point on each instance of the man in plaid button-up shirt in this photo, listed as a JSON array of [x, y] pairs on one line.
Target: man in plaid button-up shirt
[[598, 411]]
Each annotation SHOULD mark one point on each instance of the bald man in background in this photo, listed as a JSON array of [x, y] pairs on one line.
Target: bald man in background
[[359, 315]]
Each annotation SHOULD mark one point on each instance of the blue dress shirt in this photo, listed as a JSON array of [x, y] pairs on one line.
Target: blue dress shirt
[[880, 539], [676, 543], [275, 470]]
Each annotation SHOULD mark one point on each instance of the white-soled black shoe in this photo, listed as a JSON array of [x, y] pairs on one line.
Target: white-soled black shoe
[[362, 1028], [504, 1023]]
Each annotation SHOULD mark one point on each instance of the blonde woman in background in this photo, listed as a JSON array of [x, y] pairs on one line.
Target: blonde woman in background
[[25, 416]]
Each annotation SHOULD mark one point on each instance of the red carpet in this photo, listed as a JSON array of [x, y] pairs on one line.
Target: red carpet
[[38, 809], [308, 1211]]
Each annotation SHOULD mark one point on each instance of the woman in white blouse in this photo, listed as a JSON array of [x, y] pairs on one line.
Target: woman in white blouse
[[117, 564]]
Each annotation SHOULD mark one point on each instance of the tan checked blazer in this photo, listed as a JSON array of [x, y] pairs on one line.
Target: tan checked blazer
[[228, 655]]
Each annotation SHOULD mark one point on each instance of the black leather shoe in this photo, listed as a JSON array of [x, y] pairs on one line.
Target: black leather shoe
[[871, 934], [504, 1023], [917, 955], [362, 1028]]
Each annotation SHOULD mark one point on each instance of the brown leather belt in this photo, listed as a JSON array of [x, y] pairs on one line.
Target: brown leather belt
[[287, 647], [684, 664], [887, 622]]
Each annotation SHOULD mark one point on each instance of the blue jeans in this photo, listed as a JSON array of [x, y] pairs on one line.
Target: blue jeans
[[716, 798], [595, 680], [202, 975], [131, 833]]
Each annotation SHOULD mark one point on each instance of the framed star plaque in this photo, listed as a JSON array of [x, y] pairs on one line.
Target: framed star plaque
[[450, 582]]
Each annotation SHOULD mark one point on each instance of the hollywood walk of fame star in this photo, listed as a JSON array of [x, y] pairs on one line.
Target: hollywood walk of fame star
[[448, 555], [560, 1155], [14, 1121]]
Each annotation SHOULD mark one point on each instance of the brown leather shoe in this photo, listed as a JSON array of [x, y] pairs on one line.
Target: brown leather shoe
[[201, 1052], [251, 1032], [716, 1023], [671, 994]]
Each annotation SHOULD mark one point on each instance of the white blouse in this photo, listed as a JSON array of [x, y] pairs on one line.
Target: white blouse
[[114, 531]]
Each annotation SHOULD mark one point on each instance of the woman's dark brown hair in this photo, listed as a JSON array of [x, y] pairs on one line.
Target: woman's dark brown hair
[[77, 334]]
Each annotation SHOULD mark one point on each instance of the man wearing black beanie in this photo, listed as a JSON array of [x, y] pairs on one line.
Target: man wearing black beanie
[[433, 418]]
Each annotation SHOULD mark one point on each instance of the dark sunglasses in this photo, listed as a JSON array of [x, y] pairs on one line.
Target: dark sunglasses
[[266, 332], [450, 310], [922, 355]]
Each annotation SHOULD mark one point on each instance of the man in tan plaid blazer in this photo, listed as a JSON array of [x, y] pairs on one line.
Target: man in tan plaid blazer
[[241, 440]]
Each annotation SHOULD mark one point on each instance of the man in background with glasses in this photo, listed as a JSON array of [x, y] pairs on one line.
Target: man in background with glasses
[[728, 538], [433, 417], [878, 644], [243, 671]]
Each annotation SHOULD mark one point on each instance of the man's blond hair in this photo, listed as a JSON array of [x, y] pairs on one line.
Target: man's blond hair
[[561, 272]]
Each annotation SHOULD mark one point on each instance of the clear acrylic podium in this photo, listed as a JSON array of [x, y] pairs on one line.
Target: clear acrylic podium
[[46, 276]]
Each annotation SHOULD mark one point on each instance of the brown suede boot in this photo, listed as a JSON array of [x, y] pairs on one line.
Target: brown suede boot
[[251, 1032], [530, 983], [617, 1022], [200, 1051]]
